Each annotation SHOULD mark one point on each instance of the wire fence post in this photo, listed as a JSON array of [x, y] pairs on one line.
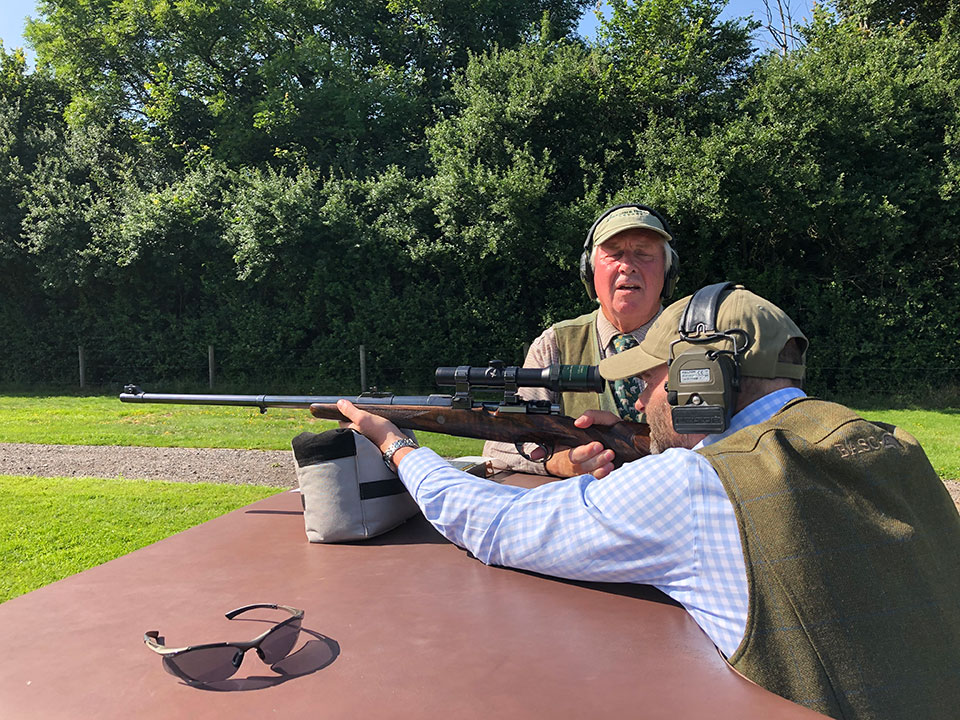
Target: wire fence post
[[83, 366], [363, 369], [210, 363]]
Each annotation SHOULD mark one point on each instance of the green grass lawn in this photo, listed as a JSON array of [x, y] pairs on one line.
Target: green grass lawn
[[98, 420], [70, 420], [51, 528], [54, 527], [937, 430]]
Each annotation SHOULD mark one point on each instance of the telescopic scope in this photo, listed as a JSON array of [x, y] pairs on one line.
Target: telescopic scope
[[558, 378]]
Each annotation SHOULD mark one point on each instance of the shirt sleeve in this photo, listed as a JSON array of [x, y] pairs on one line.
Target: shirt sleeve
[[543, 351], [664, 520], [633, 526]]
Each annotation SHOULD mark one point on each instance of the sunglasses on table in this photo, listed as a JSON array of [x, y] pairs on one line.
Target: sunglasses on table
[[218, 661]]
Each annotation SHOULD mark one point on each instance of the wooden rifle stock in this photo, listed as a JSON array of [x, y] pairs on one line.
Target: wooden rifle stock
[[628, 440]]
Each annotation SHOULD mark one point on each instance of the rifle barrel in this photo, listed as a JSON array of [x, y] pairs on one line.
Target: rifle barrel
[[133, 394], [485, 421]]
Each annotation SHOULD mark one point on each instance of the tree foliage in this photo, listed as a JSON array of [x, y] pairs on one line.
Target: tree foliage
[[289, 179], [329, 83], [877, 14], [676, 58]]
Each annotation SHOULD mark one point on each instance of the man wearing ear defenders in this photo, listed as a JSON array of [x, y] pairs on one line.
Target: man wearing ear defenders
[[627, 265], [819, 551]]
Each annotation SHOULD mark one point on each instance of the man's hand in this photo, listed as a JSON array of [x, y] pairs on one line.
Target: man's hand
[[591, 458], [380, 431]]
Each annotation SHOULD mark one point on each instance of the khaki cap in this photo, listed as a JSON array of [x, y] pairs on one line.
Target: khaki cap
[[628, 218], [768, 327]]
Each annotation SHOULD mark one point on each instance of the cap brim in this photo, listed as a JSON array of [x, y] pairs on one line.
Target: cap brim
[[628, 364], [600, 240]]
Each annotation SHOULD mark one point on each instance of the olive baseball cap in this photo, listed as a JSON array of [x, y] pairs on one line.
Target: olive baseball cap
[[768, 327], [628, 218]]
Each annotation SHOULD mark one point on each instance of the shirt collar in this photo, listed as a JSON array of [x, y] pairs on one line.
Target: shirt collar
[[606, 330], [756, 412]]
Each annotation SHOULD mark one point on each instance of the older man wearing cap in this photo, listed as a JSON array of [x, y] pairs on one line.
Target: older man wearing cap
[[819, 551], [627, 266]]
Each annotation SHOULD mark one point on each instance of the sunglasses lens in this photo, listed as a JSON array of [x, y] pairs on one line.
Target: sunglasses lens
[[205, 664], [278, 644]]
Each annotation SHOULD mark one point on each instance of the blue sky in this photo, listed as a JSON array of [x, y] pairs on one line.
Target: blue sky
[[14, 11], [799, 9]]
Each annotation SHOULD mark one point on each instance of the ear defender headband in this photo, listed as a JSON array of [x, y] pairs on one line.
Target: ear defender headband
[[669, 277], [702, 384]]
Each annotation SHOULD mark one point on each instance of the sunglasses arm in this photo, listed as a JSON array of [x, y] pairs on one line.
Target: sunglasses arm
[[293, 611], [151, 638], [152, 642]]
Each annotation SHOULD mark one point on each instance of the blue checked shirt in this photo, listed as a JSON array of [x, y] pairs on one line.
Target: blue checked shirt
[[664, 520]]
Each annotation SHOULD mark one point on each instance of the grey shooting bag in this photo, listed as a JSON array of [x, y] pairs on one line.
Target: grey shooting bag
[[348, 493]]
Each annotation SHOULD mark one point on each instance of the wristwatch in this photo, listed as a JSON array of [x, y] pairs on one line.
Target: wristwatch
[[392, 450]]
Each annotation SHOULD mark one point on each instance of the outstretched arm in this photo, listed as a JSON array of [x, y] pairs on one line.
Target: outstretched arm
[[380, 431]]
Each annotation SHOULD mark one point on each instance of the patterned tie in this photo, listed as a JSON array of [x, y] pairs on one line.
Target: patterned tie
[[626, 391]]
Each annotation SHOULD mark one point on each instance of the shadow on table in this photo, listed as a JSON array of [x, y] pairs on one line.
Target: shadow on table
[[415, 531], [632, 590]]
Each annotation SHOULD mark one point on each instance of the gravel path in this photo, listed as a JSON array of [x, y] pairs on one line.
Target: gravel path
[[237, 467]]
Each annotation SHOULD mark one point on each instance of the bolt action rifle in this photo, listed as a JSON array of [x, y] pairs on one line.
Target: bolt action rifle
[[511, 419]]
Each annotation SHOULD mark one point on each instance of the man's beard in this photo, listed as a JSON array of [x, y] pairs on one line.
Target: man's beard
[[663, 436]]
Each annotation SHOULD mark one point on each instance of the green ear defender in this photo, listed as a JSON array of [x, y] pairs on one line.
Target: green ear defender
[[702, 382]]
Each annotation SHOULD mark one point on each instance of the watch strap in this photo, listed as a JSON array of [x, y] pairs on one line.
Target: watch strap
[[392, 450]]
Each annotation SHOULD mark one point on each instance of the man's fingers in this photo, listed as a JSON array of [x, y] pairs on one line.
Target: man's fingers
[[603, 471], [359, 419], [592, 455], [591, 458], [582, 453], [596, 417], [347, 409], [374, 427], [584, 421]]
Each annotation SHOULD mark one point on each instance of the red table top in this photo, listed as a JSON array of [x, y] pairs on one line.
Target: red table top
[[404, 625]]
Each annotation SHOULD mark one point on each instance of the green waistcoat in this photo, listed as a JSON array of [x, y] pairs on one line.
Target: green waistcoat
[[852, 551], [578, 343]]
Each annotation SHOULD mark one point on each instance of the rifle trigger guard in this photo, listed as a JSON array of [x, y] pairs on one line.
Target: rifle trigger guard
[[548, 452]]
